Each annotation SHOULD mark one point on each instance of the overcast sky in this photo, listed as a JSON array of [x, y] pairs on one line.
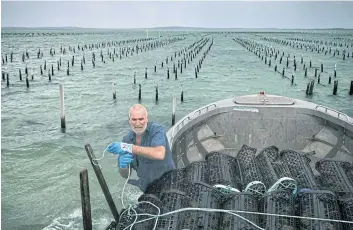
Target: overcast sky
[[236, 14]]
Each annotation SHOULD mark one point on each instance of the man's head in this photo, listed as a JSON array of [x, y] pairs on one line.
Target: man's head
[[138, 118]]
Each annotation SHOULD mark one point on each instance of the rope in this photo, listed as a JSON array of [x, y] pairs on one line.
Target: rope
[[122, 193], [233, 212], [128, 177], [186, 209], [100, 158]]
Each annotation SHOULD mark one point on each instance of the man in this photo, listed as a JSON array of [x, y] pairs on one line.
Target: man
[[145, 147]]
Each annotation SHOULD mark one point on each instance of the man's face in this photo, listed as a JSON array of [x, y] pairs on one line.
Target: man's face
[[138, 121]]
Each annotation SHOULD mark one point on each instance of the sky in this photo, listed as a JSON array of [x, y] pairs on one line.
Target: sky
[[148, 14]]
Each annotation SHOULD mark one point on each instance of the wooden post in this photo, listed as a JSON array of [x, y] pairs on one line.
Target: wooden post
[[102, 182], [85, 200], [182, 94], [174, 109], [335, 86], [139, 92], [114, 91], [62, 107], [7, 80], [157, 92], [335, 73]]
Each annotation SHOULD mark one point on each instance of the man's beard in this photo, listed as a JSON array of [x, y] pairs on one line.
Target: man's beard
[[139, 131]]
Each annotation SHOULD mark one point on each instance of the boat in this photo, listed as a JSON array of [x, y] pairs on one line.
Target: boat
[[253, 162]]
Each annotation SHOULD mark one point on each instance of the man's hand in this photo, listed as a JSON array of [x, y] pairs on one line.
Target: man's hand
[[120, 148], [125, 160]]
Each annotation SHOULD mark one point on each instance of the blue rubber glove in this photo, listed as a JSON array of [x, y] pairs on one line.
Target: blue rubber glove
[[125, 160], [120, 148]]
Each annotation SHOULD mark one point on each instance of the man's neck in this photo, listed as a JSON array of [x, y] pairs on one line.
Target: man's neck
[[138, 139]]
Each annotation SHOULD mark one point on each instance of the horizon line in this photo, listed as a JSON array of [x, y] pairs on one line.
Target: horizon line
[[168, 27]]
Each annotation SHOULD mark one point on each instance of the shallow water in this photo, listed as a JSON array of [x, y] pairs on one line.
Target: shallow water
[[40, 165]]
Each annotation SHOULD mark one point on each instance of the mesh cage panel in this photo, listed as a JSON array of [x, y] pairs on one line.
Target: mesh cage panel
[[334, 175], [346, 206], [173, 179], [223, 170], [270, 166], [197, 171], [172, 200], [242, 202], [202, 195], [318, 204], [299, 167], [127, 218], [277, 202], [248, 168]]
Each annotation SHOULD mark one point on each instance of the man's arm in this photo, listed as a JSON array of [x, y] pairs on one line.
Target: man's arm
[[156, 150], [154, 153]]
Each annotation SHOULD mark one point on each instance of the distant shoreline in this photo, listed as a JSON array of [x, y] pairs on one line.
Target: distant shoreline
[[163, 28]]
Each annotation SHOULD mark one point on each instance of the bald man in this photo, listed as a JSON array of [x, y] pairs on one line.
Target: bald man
[[145, 148]]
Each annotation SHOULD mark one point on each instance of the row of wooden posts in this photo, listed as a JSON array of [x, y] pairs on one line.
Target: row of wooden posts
[[197, 69], [62, 104], [26, 55], [345, 53], [5, 76], [310, 84]]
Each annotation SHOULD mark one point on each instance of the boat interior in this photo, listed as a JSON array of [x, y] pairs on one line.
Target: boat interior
[[260, 121]]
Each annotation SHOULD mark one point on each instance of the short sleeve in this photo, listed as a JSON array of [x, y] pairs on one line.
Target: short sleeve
[[158, 138]]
